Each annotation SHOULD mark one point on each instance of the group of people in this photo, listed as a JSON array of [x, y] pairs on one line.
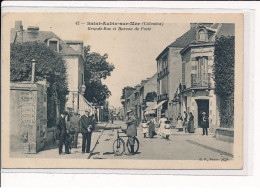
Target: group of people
[[68, 128], [184, 123], [187, 123], [148, 125]]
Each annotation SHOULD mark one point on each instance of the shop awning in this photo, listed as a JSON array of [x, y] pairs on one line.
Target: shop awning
[[160, 104], [149, 110]]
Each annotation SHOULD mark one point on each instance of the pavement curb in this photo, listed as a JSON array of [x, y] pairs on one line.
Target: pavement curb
[[210, 148]]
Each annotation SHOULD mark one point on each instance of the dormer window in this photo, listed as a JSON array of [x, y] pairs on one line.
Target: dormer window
[[202, 35], [54, 44]]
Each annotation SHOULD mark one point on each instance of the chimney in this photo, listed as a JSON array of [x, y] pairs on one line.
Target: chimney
[[18, 26], [33, 29], [193, 25]]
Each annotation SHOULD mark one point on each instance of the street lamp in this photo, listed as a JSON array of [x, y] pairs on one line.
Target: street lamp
[[33, 70], [82, 89]]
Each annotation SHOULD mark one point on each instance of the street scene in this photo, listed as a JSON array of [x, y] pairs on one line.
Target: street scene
[[77, 98]]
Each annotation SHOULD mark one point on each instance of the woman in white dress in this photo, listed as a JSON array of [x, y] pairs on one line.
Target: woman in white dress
[[162, 124]]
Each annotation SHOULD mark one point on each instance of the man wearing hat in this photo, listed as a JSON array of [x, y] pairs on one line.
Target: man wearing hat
[[63, 134], [205, 123], [131, 130], [87, 126]]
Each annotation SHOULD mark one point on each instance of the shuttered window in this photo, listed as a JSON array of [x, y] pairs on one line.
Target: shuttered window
[[183, 72]]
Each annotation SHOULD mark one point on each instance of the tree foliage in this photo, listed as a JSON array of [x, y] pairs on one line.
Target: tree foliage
[[223, 68], [49, 66], [97, 68], [223, 75]]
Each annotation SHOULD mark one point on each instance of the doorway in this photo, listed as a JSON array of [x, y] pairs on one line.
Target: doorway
[[203, 106]]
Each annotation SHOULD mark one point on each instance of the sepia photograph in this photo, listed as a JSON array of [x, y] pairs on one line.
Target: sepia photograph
[[123, 90]]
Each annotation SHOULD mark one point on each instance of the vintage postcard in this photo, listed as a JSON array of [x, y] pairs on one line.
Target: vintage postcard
[[122, 90]]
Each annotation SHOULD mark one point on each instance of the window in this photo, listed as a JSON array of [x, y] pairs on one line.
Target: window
[[183, 72], [53, 45], [202, 71], [202, 35]]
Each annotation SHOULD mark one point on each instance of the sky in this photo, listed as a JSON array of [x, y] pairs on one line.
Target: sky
[[133, 53]]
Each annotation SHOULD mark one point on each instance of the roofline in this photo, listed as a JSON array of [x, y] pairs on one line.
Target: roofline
[[64, 54], [148, 80], [166, 49], [195, 45], [74, 41]]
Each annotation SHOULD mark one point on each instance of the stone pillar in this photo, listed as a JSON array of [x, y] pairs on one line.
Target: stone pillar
[[28, 117]]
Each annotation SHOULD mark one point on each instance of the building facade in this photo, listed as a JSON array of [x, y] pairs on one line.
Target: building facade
[[184, 71], [169, 75], [72, 53], [197, 91]]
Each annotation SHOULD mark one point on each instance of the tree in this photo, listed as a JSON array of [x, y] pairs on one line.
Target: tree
[[223, 75], [150, 96], [97, 68], [49, 66]]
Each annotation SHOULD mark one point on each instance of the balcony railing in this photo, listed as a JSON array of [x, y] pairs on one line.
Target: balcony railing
[[163, 73], [162, 97], [202, 80]]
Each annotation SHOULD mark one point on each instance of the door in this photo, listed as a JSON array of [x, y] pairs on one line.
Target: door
[[203, 106]]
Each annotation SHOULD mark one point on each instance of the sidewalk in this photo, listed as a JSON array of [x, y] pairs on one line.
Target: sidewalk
[[208, 142], [52, 151]]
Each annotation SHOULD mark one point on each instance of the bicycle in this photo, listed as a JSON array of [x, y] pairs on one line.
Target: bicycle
[[119, 144]]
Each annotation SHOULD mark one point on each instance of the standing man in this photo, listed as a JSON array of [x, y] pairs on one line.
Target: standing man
[[131, 130], [63, 134], [205, 123], [74, 128], [185, 121], [87, 125]]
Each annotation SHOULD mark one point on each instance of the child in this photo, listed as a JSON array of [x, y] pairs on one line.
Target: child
[[145, 128], [179, 125], [167, 127]]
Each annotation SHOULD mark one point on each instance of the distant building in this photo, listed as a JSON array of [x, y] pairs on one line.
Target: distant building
[[147, 86], [72, 52], [169, 75], [136, 97], [125, 101]]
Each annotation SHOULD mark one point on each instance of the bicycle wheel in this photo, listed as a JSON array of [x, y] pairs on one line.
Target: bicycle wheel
[[119, 146], [136, 145]]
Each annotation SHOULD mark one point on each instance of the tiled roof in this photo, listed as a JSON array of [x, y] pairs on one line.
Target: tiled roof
[[43, 36], [226, 29], [185, 39], [223, 29], [182, 41]]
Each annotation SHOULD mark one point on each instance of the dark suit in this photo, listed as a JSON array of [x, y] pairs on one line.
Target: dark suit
[[63, 137], [205, 124], [74, 129], [86, 123], [131, 132]]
